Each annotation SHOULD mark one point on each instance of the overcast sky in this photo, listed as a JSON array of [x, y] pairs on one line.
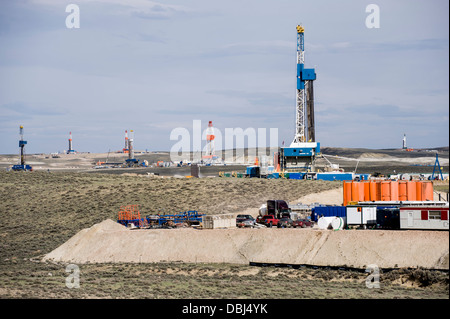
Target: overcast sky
[[154, 66]]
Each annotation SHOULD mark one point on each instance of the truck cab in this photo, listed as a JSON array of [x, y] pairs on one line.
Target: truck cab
[[278, 208], [268, 220]]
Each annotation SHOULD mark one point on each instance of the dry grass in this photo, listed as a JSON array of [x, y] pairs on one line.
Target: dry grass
[[43, 210], [217, 281], [40, 211]]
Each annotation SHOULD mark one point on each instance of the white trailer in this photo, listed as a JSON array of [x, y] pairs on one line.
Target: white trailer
[[219, 221], [361, 215], [433, 218]]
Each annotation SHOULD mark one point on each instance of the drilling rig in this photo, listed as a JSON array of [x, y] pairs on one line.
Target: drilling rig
[[22, 166], [210, 157], [131, 161], [70, 151], [300, 156]]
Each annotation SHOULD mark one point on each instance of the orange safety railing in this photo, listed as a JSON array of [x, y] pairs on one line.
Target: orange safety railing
[[129, 212]]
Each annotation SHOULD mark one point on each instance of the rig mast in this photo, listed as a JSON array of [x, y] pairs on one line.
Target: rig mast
[[70, 151], [22, 166], [131, 161], [125, 149], [305, 96], [300, 156], [210, 147]]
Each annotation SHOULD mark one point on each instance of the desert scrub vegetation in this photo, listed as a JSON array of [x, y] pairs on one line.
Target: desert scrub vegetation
[[203, 281], [41, 210], [46, 209]]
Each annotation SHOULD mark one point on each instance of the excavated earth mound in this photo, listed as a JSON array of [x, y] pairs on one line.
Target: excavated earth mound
[[109, 241]]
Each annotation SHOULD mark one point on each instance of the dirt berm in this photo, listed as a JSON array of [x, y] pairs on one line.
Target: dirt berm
[[109, 241]]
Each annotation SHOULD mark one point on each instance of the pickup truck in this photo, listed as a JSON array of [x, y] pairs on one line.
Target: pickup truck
[[268, 220], [245, 221]]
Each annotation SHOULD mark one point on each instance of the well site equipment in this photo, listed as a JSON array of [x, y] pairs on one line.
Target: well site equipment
[[130, 214], [395, 215], [385, 191], [219, 221]]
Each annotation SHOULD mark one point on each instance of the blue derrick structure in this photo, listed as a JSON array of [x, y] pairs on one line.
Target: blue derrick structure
[[22, 166], [300, 155]]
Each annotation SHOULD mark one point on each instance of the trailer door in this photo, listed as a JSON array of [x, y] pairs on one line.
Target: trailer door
[[369, 215], [354, 215], [410, 218]]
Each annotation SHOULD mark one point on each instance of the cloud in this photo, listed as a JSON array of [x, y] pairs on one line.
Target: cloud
[[138, 8], [378, 112], [384, 46], [252, 48], [256, 98], [144, 37], [20, 110]]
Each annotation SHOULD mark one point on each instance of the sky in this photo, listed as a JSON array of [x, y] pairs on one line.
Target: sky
[[153, 67]]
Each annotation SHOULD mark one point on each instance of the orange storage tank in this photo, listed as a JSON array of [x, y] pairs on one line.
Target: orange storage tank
[[385, 191], [361, 191], [402, 190], [355, 192], [394, 190], [411, 190], [366, 191], [418, 191], [378, 191], [347, 192], [427, 191], [373, 191]]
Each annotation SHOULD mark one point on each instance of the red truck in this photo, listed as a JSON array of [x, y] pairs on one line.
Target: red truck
[[268, 220]]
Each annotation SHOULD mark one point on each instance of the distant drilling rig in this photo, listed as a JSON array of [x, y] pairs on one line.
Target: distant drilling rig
[[210, 157], [125, 149], [22, 166], [131, 161], [71, 150]]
